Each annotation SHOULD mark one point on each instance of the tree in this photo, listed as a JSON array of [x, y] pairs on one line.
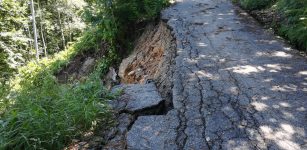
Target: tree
[[34, 30], [14, 43]]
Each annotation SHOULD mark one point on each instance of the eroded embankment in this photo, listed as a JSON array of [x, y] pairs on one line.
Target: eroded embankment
[[146, 89], [151, 60], [147, 83]]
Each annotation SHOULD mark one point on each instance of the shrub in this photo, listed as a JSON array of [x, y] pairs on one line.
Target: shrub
[[255, 4], [116, 19], [294, 25]]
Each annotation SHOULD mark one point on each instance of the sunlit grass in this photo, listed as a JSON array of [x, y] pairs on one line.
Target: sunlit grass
[[38, 112]]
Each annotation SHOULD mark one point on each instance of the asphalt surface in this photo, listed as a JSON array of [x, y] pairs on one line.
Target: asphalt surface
[[235, 85]]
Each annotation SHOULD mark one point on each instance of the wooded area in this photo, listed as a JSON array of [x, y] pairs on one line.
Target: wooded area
[[57, 23]]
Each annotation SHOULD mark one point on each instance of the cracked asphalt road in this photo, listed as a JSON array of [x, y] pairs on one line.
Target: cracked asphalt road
[[236, 86]]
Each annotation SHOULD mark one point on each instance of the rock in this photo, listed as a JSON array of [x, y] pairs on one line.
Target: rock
[[118, 141], [87, 66], [131, 73], [137, 98], [110, 78], [154, 132]]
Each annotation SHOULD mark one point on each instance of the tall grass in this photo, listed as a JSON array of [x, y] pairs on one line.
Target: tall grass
[[40, 113]]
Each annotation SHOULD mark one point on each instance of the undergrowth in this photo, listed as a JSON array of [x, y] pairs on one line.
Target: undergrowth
[[256, 4], [294, 26], [40, 113], [293, 23], [37, 112]]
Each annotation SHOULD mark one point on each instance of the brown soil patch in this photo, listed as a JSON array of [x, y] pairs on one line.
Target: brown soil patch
[[152, 60], [81, 65], [148, 56]]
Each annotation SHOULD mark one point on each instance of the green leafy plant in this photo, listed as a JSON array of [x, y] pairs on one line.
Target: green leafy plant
[[255, 4], [294, 25]]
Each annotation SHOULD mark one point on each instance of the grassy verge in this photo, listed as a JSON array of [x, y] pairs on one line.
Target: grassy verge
[[293, 23], [40, 113]]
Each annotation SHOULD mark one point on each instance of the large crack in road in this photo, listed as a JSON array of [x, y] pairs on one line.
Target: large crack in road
[[235, 85]]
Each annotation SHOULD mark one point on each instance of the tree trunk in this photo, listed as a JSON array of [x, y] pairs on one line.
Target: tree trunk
[[42, 33], [30, 42], [62, 32], [34, 30]]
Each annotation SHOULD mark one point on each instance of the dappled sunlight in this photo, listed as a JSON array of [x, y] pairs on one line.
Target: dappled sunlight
[[268, 80], [259, 106], [303, 73], [200, 44], [207, 75], [247, 69], [274, 54], [284, 88], [281, 54], [266, 41], [288, 48], [284, 104], [288, 115], [264, 98], [301, 109], [276, 67], [282, 136]]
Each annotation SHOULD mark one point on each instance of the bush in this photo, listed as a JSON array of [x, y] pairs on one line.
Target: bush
[[294, 25], [117, 19], [255, 4]]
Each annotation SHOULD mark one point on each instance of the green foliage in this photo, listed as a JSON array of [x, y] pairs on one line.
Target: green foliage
[[255, 4], [116, 19], [58, 23], [41, 113], [14, 48], [294, 26], [55, 17]]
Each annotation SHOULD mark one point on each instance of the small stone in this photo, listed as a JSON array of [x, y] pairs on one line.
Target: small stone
[[131, 73]]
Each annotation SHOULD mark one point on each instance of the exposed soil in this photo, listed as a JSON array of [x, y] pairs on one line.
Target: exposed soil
[[81, 65], [268, 17], [151, 60]]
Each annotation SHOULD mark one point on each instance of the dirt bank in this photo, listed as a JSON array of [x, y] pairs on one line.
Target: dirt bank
[[151, 59]]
